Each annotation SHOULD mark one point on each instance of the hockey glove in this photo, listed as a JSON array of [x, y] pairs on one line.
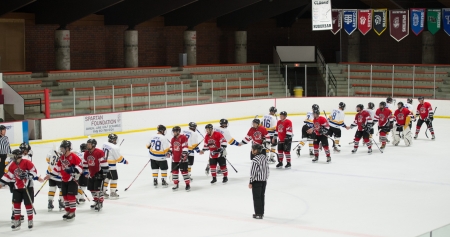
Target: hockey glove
[[391, 125], [218, 151], [431, 118], [323, 131], [70, 169], [24, 175], [367, 128], [274, 140], [288, 139], [184, 156], [169, 154]]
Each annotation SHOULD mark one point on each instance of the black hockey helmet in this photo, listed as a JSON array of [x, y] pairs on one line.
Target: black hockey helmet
[[161, 129], [409, 101], [93, 142], [66, 144], [273, 109], [210, 126], [257, 121], [258, 148], [2, 127], [315, 107], [24, 146], [419, 98], [360, 106], [83, 147], [192, 125], [316, 111], [382, 103], [223, 122], [112, 138], [401, 104], [342, 105], [176, 129], [284, 113], [16, 154], [370, 105], [389, 99]]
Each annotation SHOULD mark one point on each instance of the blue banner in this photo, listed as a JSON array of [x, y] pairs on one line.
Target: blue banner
[[417, 20], [350, 21], [446, 20]]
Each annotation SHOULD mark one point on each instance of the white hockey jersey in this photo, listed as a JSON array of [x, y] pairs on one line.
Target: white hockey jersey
[[52, 159], [226, 133], [372, 115], [336, 118], [409, 107], [112, 155], [158, 147], [270, 122], [309, 119], [193, 143]]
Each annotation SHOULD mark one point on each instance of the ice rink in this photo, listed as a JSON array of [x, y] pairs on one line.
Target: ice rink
[[403, 192]]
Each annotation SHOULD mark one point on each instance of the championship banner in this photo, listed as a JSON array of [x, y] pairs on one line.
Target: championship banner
[[336, 16], [379, 21], [417, 20], [321, 15], [446, 20], [434, 20], [399, 24], [350, 21], [364, 21], [102, 123]]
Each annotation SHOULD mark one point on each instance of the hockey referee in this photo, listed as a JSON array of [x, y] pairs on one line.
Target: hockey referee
[[4, 149], [259, 174]]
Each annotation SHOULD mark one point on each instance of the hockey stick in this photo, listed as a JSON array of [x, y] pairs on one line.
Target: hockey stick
[[200, 133], [82, 190], [373, 140], [29, 198], [178, 165], [41, 188], [426, 131], [121, 142], [138, 175], [230, 164]]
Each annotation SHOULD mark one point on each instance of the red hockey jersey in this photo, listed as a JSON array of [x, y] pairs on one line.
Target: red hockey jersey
[[178, 144], [383, 116], [361, 119], [284, 128], [256, 135], [15, 170], [214, 142], [63, 163], [319, 123], [424, 110], [401, 116], [95, 161]]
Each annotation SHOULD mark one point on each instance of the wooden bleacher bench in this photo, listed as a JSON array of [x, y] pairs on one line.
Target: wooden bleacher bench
[[232, 79], [31, 92], [36, 102], [16, 73], [118, 77], [13, 83], [387, 93], [226, 72], [395, 71], [128, 105], [128, 86], [108, 69], [248, 94], [222, 65], [152, 93], [240, 87], [395, 78], [395, 86]]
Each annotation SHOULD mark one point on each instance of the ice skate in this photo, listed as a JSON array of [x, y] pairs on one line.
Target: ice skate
[[256, 216], [354, 150], [311, 153], [328, 159], [383, 146], [16, 225], [81, 200], [50, 205], [415, 136], [214, 180], [336, 149], [106, 196], [70, 216], [164, 184], [114, 195], [433, 137], [279, 165], [316, 158], [66, 214], [155, 183], [298, 151], [175, 188], [225, 180], [288, 165], [30, 224], [188, 188], [369, 151], [93, 205], [98, 206], [61, 205]]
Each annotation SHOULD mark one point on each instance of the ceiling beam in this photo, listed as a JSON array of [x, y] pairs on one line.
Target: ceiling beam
[[204, 10], [7, 6], [134, 12]]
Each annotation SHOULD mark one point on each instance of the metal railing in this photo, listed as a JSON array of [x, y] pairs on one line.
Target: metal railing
[[330, 79], [33, 105], [443, 231]]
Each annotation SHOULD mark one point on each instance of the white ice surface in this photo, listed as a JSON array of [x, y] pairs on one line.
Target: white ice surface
[[403, 192]]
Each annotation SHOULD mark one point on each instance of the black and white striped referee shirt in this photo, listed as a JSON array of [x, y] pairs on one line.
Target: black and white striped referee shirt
[[4, 145], [260, 169]]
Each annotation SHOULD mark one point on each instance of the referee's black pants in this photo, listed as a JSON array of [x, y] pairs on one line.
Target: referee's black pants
[[2, 164], [259, 192]]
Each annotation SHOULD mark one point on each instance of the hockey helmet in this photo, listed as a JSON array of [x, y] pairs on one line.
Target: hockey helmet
[[382, 103], [315, 107], [389, 99], [409, 101], [316, 111], [223, 122], [83, 147], [209, 126], [112, 138], [257, 121], [273, 109], [258, 148], [161, 129], [176, 129], [360, 106], [420, 98], [370, 105], [16, 154], [400, 104], [93, 142], [66, 144], [25, 146], [284, 113], [342, 105], [192, 125]]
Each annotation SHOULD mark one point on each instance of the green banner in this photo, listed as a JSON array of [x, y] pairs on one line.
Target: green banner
[[434, 20]]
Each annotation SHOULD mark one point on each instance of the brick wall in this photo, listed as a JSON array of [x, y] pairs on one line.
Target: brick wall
[[99, 46]]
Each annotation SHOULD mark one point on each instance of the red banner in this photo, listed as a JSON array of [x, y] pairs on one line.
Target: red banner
[[399, 24], [336, 20], [364, 21]]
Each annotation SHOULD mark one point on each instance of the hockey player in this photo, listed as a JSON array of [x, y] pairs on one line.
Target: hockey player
[[321, 129], [216, 143], [336, 121], [54, 181], [68, 167], [401, 129], [390, 103], [113, 156], [409, 106], [257, 134], [27, 153], [193, 145], [425, 113], [83, 180], [384, 117], [159, 148], [270, 122], [363, 122], [98, 169], [223, 129], [179, 150], [370, 107], [21, 172], [284, 134], [307, 134]]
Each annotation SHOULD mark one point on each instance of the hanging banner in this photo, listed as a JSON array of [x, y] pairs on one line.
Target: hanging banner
[[102, 123], [321, 15], [399, 24], [336, 16], [350, 22], [379, 21], [364, 21], [446, 20], [434, 20], [417, 20]]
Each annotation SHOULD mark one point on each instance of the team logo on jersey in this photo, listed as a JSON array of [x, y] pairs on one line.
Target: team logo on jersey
[[91, 161], [280, 128], [423, 110], [211, 143], [176, 146], [401, 116], [317, 125], [257, 135], [65, 164], [18, 172], [360, 118], [382, 117]]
